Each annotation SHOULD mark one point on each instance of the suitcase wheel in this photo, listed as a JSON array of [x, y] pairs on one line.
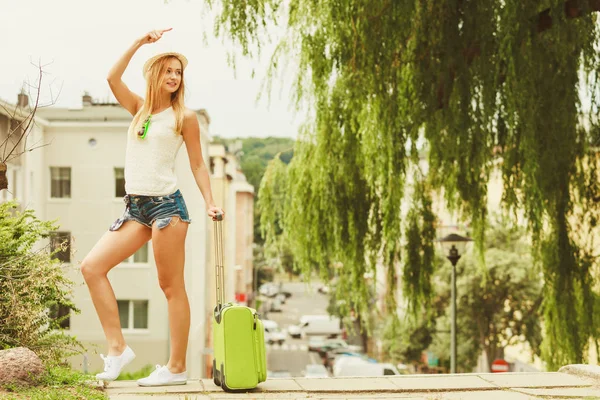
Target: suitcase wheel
[[223, 384], [216, 374]]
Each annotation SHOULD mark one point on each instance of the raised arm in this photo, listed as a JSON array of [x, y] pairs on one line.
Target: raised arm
[[129, 100]]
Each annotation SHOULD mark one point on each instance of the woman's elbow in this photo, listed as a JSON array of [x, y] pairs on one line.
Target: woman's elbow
[[197, 167], [111, 78]]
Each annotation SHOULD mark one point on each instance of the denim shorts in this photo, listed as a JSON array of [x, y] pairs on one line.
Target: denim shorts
[[147, 209]]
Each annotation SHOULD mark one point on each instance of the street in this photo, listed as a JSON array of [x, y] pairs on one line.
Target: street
[[293, 355]]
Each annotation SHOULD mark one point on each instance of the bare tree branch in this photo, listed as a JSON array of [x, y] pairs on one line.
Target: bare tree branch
[[21, 123], [30, 149], [31, 116]]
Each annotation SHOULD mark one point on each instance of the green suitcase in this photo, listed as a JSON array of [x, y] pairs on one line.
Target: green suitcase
[[239, 355]]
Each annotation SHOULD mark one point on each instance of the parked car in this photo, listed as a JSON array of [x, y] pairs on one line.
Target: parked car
[[355, 366], [269, 289], [323, 289], [286, 294], [272, 289], [335, 354], [322, 346], [272, 332], [279, 374], [275, 305], [315, 343], [281, 297], [294, 331], [315, 371], [320, 325]]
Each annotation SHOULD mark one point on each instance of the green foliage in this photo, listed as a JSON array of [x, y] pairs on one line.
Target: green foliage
[[31, 283], [502, 310], [256, 153], [133, 376], [419, 261], [405, 340], [58, 383], [270, 205], [467, 347], [58, 375], [254, 168], [270, 208], [498, 308], [485, 85], [254, 156]]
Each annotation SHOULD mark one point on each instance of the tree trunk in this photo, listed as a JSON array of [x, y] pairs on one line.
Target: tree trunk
[[3, 178], [493, 353], [365, 341], [364, 337]]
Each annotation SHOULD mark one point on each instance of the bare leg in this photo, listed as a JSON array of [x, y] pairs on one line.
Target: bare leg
[[112, 248], [169, 253]]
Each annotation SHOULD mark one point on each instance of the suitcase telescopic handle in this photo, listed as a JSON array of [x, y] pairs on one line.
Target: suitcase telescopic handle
[[219, 263]]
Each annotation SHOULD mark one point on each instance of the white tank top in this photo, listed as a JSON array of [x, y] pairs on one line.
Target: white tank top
[[150, 162]]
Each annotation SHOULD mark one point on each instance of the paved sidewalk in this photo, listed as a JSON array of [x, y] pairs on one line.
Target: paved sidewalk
[[576, 382]]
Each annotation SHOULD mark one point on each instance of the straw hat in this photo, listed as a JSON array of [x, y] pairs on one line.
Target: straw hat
[[152, 60]]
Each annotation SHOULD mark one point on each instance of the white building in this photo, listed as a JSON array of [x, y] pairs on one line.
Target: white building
[[78, 180]]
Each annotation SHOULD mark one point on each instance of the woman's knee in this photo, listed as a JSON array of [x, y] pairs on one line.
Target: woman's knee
[[91, 270], [171, 287]]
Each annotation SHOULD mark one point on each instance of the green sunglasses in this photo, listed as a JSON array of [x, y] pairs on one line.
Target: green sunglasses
[[144, 129]]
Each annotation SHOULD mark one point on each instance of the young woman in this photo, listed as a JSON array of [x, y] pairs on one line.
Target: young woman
[[155, 209]]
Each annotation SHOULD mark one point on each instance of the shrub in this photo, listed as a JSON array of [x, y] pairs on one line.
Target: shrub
[[31, 284]]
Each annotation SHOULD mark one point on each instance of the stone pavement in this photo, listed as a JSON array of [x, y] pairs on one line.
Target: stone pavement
[[572, 382]]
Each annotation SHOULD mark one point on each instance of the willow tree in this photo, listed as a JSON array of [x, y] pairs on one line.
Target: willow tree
[[483, 85]]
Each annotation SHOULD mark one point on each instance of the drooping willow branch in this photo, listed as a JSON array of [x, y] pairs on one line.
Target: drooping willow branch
[[485, 91]]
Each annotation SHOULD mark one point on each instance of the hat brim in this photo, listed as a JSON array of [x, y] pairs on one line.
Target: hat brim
[[148, 64]]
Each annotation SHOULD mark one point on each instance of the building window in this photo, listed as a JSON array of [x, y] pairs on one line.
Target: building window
[[60, 182], [133, 314], [61, 241], [139, 257], [61, 314], [120, 182]]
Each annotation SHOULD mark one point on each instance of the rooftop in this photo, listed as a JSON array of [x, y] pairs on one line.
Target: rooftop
[[90, 111]]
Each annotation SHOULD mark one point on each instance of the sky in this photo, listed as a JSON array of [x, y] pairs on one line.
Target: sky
[[78, 41]]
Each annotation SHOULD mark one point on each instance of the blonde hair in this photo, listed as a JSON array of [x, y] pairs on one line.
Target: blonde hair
[[155, 79]]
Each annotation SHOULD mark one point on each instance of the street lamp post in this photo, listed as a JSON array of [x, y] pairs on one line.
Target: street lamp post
[[452, 243]]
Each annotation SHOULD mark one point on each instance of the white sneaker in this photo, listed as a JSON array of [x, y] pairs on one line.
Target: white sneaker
[[114, 364], [161, 376]]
